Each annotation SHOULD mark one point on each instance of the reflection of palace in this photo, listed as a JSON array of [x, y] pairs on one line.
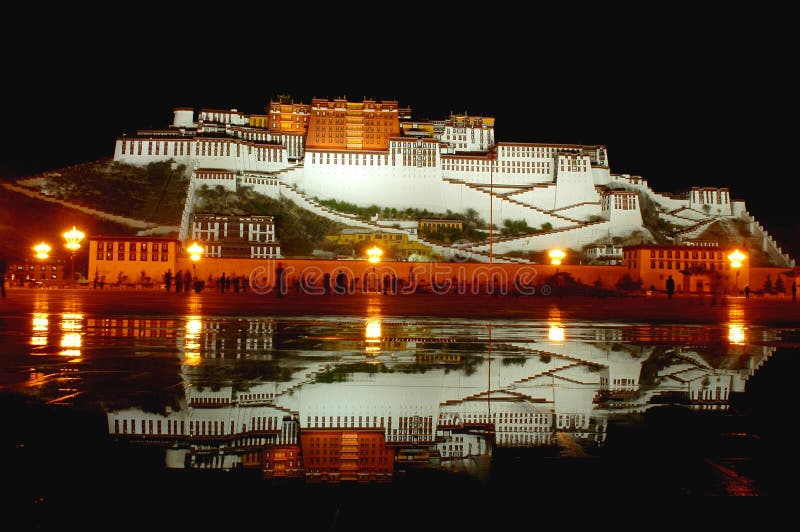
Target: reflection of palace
[[356, 400]]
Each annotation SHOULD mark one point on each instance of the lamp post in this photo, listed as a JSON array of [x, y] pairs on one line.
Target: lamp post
[[374, 257], [374, 253], [73, 238], [736, 258], [195, 252], [556, 256], [491, 208]]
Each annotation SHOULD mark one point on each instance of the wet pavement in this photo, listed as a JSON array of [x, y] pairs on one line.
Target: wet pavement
[[773, 311], [363, 407]]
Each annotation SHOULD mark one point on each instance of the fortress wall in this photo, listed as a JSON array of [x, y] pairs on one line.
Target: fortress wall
[[262, 272]]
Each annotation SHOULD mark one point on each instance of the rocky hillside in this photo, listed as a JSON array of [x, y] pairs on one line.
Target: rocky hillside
[[153, 193]]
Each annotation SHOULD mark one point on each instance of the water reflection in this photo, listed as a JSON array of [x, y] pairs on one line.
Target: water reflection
[[736, 327], [372, 334], [361, 400]]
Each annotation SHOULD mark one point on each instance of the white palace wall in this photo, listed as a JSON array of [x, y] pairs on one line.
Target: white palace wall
[[374, 180], [575, 187], [541, 197], [225, 153]]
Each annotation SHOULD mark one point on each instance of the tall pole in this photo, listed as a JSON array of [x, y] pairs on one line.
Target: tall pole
[[491, 205], [72, 269]]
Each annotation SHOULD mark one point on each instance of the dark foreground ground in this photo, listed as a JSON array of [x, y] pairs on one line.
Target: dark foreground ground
[[777, 312]]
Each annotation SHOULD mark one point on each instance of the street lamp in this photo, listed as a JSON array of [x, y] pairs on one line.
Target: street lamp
[[736, 258], [195, 251], [42, 251], [556, 256], [374, 253], [73, 238]]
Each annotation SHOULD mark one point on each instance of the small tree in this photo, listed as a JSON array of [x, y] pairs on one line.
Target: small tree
[[768, 288], [780, 287], [627, 284]]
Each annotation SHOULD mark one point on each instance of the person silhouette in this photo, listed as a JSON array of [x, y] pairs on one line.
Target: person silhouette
[[3, 270], [670, 287], [279, 279], [794, 290], [168, 279], [747, 292]]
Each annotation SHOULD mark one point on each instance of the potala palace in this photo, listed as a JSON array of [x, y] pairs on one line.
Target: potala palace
[[374, 153]]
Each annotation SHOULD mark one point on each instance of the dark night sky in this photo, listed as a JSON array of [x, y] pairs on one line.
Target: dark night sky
[[698, 99]]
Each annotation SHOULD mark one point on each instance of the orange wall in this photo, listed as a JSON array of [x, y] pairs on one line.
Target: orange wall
[[339, 124], [262, 272], [758, 276]]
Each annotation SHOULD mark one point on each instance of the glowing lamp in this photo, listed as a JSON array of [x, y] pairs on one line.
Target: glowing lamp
[[556, 256], [736, 258], [374, 253], [42, 250], [74, 239], [195, 251]]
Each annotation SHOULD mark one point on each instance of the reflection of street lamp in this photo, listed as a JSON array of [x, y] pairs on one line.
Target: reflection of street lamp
[[373, 336], [195, 251], [555, 332], [73, 238], [736, 334], [42, 253], [736, 259], [374, 253]]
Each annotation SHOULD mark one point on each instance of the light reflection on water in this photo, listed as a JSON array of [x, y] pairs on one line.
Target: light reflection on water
[[339, 398]]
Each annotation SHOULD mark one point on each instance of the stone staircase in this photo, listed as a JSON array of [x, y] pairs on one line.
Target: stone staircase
[[536, 211], [354, 221], [525, 241], [695, 230]]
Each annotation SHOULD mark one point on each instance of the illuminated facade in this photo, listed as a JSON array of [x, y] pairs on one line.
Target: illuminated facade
[[693, 268], [435, 224], [37, 272], [372, 152], [343, 125], [464, 133], [287, 116], [397, 242], [131, 260], [233, 236]]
